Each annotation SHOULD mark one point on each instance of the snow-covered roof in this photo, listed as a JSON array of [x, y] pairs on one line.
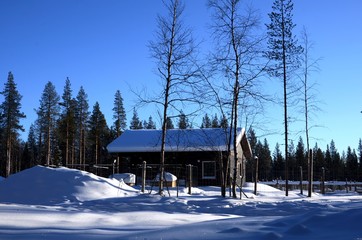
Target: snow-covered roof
[[177, 140]]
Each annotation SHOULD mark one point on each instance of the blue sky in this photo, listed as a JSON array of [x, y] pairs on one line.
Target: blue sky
[[102, 46]]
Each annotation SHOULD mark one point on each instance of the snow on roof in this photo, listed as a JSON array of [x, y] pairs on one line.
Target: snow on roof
[[177, 140]]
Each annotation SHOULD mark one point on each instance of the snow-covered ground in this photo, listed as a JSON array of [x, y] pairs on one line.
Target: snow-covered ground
[[47, 203]]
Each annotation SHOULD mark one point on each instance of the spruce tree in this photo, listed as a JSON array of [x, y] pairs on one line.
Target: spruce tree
[[150, 124], [266, 161], [301, 159], [48, 114], [278, 163], [98, 133], [328, 164], [82, 117], [67, 125], [224, 123], [360, 159], [215, 122], [283, 52], [32, 147], [11, 114], [183, 121], [119, 114], [318, 160], [351, 165], [169, 123], [206, 122], [135, 122]]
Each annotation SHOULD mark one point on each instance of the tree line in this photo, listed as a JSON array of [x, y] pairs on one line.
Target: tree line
[[336, 166], [66, 132]]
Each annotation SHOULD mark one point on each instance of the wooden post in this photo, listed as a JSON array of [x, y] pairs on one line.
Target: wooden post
[[190, 177], [310, 172], [144, 168], [301, 180], [256, 173], [323, 190]]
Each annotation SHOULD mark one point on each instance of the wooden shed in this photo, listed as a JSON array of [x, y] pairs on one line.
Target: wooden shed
[[203, 148]]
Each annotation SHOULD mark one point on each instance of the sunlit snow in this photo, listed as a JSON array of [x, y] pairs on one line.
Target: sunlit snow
[[61, 203]]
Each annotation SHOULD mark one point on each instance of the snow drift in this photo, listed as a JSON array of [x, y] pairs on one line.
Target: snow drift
[[44, 185]]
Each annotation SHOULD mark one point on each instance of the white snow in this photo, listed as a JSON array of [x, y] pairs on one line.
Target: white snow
[[169, 177], [128, 178], [48, 203]]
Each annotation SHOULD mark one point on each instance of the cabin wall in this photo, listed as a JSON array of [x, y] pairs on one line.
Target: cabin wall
[[205, 166]]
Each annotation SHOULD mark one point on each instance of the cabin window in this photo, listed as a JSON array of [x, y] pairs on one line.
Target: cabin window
[[209, 170]]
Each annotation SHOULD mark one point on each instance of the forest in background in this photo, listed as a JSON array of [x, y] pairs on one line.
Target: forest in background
[[69, 121]]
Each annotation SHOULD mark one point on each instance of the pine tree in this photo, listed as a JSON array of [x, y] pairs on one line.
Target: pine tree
[[318, 161], [150, 124], [48, 114], [215, 122], [351, 165], [67, 125], [183, 121], [206, 122], [135, 122], [328, 164], [81, 117], [278, 163], [169, 123], [224, 123], [283, 52], [32, 147], [10, 117], [360, 159], [98, 132], [266, 161], [301, 158], [119, 114]]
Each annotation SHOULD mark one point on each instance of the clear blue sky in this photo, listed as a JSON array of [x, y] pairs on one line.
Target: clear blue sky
[[102, 45]]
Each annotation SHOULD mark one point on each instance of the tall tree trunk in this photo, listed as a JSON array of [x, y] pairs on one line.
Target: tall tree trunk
[[8, 156], [285, 105]]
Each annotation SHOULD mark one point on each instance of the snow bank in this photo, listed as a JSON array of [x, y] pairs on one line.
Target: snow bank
[[43, 185]]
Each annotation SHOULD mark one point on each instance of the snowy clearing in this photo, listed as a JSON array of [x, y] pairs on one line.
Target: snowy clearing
[[48, 203]]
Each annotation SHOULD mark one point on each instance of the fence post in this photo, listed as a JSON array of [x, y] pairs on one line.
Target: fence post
[[144, 168], [301, 180], [323, 179], [310, 172], [190, 177], [256, 173]]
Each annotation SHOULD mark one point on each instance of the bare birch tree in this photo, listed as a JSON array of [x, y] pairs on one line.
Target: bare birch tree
[[309, 65], [173, 49], [237, 56]]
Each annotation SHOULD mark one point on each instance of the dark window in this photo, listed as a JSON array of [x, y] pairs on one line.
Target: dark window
[[209, 170]]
